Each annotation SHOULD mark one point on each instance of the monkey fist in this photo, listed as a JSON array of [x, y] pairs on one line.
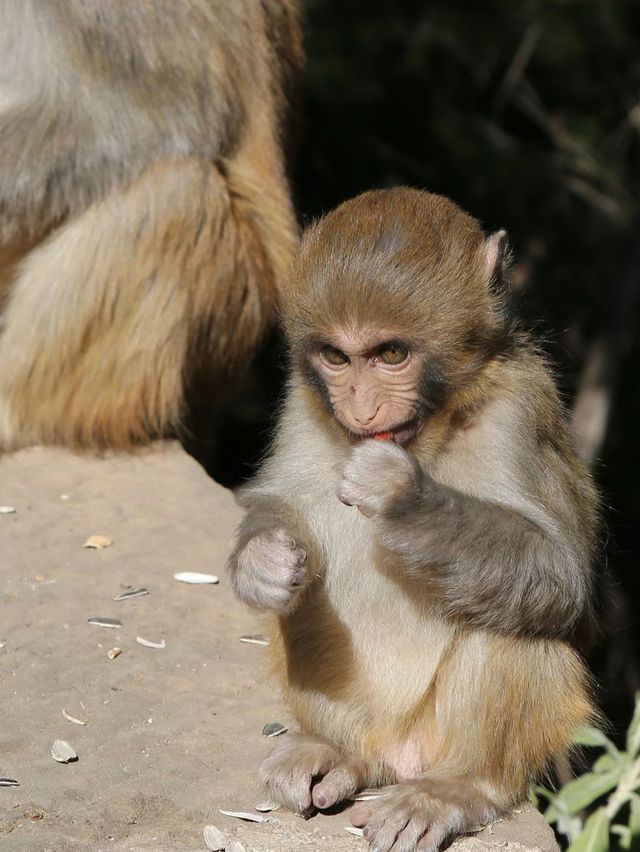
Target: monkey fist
[[270, 571], [378, 474]]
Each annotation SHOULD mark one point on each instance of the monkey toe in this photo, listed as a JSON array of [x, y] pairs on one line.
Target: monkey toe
[[360, 814], [433, 839], [383, 830], [338, 784]]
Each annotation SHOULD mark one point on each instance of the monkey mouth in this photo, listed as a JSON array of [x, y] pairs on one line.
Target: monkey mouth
[[401, 434]]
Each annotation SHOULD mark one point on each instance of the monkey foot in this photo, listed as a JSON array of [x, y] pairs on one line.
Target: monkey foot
[[305, 772], [420, 815]]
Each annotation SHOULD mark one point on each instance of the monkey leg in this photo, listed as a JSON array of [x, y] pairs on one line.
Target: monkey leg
[[503, 707], [305, 772], [108, 318]]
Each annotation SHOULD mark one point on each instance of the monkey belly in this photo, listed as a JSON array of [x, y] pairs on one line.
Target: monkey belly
[[359, 658]]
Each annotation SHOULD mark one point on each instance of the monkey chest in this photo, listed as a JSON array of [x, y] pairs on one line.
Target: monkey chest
[[391, 644]]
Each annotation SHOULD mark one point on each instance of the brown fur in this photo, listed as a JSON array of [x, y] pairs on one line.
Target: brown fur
[[145, 217], [434, 643]]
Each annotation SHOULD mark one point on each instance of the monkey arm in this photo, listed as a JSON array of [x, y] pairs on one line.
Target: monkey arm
[[270, 564], [488, 563]]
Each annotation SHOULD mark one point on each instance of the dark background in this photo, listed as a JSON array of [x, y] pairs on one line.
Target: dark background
[[528, 115]]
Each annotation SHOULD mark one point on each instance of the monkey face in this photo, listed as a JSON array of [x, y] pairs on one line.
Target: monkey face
[[375, 385]]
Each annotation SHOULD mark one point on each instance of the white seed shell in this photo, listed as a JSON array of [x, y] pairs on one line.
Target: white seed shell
[[245, 815], [149, 644], [105, 622], [257, 639], [274, 729], [62, 752], [214, 839], [9, 782], [7, 510], [131, 593], [267, 807], [73, 719], [98, 542], [353, 830], [195, 578], [366, 796], [113, 653]]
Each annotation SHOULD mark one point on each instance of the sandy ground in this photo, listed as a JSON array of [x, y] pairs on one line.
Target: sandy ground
[[172, 734]]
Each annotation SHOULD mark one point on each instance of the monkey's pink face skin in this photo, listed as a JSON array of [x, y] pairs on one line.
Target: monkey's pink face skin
[[372, 382]]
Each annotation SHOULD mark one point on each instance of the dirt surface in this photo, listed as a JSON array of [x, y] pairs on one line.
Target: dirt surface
[[172, 734]]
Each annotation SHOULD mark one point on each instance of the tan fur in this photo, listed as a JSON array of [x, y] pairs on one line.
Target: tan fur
[[145, 252]]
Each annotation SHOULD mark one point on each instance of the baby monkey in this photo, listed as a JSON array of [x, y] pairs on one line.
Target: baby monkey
[[422, 533]]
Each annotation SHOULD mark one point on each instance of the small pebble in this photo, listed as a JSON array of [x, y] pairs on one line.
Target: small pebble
[[98, 542], [7, 510], [214, 839], [62, 752], [274, 729], [105, 622]]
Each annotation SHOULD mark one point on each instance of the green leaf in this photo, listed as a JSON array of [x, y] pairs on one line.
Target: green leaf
[[607, 762], [633, 734], [595, 837], [587, 735], [624, 833], [570, 826], [634, 816], [585, 789]]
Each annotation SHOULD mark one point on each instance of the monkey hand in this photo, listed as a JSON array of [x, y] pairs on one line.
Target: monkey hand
[[378, 475], [269, 571]]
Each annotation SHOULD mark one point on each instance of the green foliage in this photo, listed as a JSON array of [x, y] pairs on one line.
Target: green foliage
[[612, 785]]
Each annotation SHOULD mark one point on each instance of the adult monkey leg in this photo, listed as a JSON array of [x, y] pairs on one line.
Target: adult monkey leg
[[104, 317]]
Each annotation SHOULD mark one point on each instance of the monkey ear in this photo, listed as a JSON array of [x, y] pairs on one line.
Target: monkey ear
[[496, 258]]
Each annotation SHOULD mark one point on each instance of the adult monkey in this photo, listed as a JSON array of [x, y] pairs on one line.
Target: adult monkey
[[425, 639], [145, 216]]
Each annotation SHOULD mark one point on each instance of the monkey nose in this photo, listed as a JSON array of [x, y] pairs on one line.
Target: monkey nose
[[365, 418]]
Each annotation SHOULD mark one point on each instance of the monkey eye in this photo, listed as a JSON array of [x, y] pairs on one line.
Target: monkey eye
[[393, 353], [333, 356]]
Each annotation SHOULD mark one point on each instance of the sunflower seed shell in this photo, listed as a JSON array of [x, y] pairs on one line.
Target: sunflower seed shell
[[131, 593], [257, 639], [245, 815], [267, 807], [98, 542], [62, 752], [214, 839], [149, 644], [274, 729], [73, 719], [195, 578], [105, 622]]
